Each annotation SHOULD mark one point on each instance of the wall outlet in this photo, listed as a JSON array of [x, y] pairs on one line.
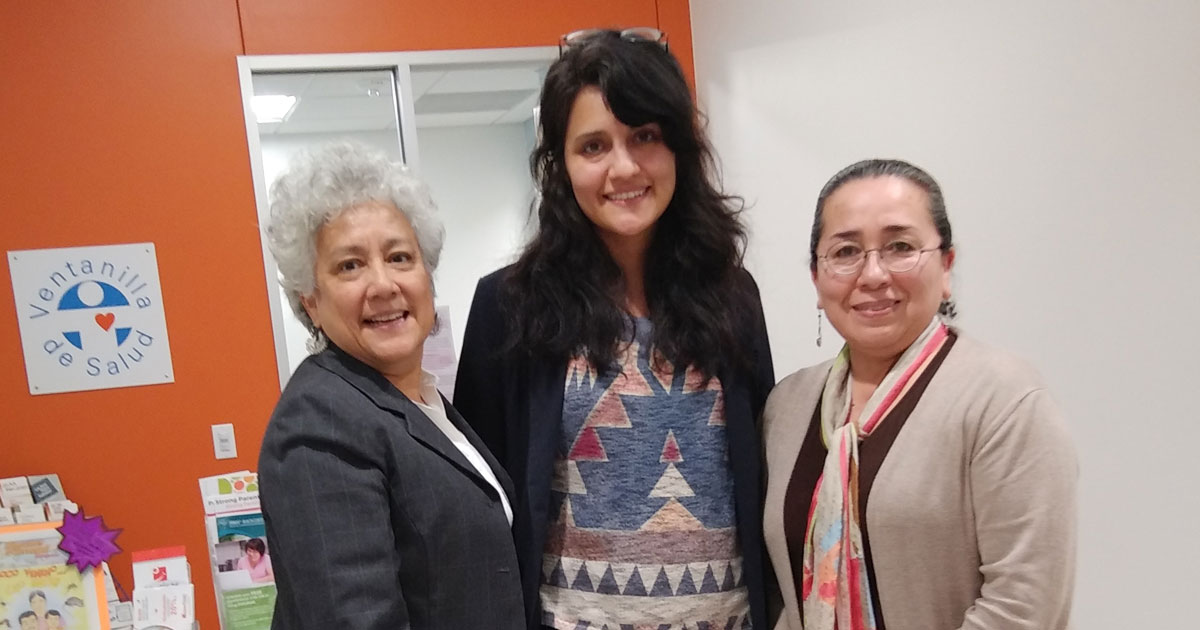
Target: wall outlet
[[224, 444]]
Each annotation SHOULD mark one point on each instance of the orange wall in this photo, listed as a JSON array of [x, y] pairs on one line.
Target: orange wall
[[121, 122], [272, 27]]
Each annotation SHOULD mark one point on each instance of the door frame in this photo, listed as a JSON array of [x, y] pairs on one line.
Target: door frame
[[399, 63]]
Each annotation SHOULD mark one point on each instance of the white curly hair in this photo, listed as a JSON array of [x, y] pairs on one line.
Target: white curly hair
[[321, 183]]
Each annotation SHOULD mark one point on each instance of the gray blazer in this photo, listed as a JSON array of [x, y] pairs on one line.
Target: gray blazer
[[374, 518]]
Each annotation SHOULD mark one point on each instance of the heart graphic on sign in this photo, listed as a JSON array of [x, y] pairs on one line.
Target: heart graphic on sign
[[105, 320]]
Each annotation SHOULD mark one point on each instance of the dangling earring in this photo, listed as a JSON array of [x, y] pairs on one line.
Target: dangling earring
[[819, 318], [316, 342]]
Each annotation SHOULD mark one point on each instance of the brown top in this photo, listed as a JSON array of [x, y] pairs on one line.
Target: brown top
[[871, 453]]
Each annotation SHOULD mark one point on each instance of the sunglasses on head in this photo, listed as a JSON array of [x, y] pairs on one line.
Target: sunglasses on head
[[635, 34]]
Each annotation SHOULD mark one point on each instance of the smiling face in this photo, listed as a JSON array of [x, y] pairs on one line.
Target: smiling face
[[373, 296], [878, 312], [253, 556], [623, 177]]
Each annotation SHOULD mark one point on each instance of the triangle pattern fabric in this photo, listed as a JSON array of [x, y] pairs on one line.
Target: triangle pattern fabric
[[675, 573], [596, 571], [566, 477], [583, 581], [558, 577], [717, 417], [587, 447], [608, 584], [581, 372], [709, 583], [670, 450], [672, 484], [609, 412], [622, 573], [635, 586], [571, 568], [727, 582], [574, 479], [687, 586], [662, 586], [612, 548], [565, 515], [672, 517], [698, 569]]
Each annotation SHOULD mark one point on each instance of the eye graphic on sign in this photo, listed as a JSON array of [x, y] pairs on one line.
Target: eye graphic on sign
[[96, 295]]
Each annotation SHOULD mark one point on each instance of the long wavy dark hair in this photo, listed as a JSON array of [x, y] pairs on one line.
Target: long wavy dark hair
[[564, 295]]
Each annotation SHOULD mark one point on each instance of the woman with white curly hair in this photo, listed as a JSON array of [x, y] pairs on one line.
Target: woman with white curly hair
[[383, 509]]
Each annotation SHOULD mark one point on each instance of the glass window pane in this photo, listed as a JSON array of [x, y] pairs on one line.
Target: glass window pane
[[475, 129], [301, 109]]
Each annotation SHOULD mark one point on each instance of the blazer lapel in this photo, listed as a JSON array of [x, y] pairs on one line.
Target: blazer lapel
[[384, 395], [458, 421], [423, 430]]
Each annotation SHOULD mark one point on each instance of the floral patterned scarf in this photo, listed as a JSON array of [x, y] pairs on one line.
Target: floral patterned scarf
[[835, 587]]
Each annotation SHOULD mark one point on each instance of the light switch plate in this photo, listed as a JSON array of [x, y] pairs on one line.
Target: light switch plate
[[224, 444]]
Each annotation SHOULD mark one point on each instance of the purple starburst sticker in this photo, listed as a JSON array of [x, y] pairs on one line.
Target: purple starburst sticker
[[86, 540]]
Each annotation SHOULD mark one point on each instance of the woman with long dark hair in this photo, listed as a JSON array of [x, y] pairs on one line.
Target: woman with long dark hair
[[617, 368]]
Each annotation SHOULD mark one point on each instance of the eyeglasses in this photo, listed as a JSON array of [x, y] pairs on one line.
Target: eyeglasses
[[846, 259], [636, 34]]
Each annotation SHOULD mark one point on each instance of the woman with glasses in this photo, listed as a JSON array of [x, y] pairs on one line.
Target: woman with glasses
[[617, 368], [920, 480]]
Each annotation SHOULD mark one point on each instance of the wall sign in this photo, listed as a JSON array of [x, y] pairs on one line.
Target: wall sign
[[91, 317]]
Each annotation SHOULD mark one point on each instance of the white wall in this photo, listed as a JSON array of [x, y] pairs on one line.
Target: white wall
[[480, 180], [1067, 139]]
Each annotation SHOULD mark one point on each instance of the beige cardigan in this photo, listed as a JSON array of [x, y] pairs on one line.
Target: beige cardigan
[[972, 515]]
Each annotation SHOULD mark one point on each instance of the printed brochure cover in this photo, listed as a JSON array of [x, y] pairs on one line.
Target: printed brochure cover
[[239, 551], [38, 590]]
